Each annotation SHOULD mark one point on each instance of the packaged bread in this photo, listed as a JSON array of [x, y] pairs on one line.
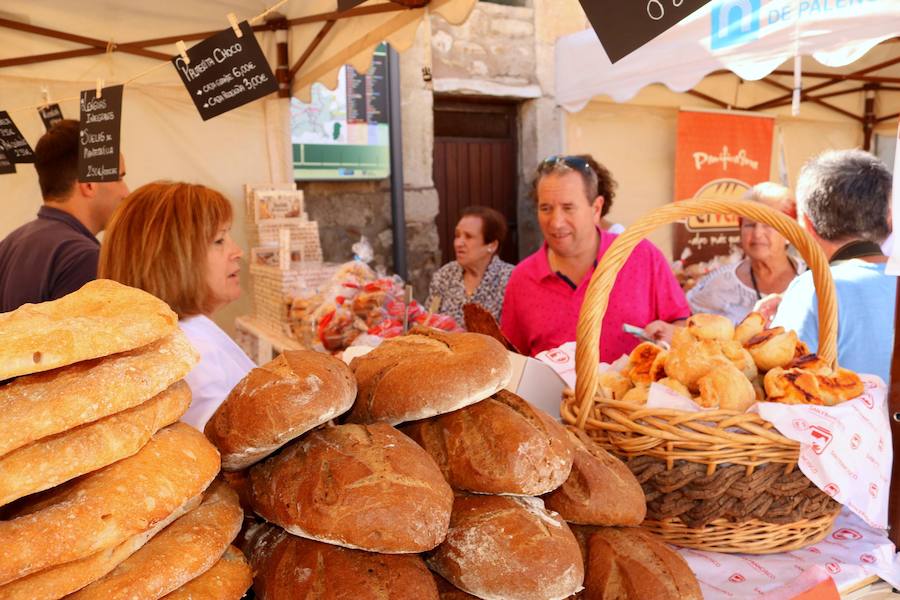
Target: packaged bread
[[277, 402], [360, 486], [501, 445]]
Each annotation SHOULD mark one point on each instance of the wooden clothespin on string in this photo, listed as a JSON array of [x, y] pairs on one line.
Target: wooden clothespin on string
[[45, 94], [182, 50], [234, 24], [99, 88]]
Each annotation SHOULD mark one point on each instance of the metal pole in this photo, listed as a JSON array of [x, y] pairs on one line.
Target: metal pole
[[398, 209]]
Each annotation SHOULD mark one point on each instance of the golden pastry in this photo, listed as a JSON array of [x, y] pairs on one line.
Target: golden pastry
[[641, 361], [726, 388], [675, 385], [772, 348], [637, 395], [710, 327], [752, 325], [613, 384]]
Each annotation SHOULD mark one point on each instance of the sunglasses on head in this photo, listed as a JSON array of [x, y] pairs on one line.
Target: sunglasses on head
[[573, 162]]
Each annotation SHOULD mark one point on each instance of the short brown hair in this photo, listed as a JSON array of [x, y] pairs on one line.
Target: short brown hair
[[493, 224], [56, 159], [158, 239]]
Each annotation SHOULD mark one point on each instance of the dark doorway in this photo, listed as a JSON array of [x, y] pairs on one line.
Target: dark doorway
[[475, 164]]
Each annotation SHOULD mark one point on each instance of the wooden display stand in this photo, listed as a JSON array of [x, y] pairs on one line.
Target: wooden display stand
[[260, 340]]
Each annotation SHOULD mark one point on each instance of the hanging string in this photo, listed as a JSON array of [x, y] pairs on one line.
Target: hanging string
[[110, 47]]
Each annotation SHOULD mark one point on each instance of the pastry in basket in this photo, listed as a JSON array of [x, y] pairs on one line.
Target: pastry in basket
[[752, 325], [773, 348], [801, 386], [710, 327], [740, 358], [690, 359], [726, 388], [637, 395], [645, 363], [613, 384], [676, 386]]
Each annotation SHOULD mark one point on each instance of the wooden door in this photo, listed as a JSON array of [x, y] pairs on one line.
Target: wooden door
[[475, 164]]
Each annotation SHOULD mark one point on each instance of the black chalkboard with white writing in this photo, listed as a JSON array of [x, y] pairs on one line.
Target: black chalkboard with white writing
[[50, 115], [6, 165], [348, 4], [225, 72], [623, 26], [100, 134], [12, 142]]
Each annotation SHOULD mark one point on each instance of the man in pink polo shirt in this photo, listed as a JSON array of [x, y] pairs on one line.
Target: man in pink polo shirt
[[545, 291]]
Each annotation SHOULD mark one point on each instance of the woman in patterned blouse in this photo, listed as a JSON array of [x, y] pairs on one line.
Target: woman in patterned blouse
[[477, 275]]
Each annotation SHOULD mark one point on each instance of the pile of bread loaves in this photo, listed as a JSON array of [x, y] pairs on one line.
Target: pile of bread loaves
[[722, 366], [103, 493], [437, 484]]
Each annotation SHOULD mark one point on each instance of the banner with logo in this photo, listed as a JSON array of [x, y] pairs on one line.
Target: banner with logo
[[718, 156]]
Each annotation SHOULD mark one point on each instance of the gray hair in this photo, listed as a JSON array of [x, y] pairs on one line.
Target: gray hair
[[846, 195]]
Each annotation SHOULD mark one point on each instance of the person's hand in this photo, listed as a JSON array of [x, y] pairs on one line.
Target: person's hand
[[660, 331], [768, 306]]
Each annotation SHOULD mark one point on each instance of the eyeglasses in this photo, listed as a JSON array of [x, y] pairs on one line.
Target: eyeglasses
[[573, 162]]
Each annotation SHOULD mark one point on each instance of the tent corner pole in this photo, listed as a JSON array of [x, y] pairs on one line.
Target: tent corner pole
[[398, 208]]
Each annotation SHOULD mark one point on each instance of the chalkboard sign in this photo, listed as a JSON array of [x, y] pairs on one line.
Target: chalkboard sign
[[348, 4], [623, 26], [225, 72], [50, 115], [99, 131], [6, 165], [13, 143]]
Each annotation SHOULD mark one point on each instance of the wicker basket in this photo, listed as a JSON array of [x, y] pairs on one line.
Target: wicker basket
[[734, 466]]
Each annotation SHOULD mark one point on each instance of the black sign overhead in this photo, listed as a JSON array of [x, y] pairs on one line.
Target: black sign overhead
[[50, 115], [225, 72], [12, 142], [100, 134], [623, 26], [348, 4], [6, 165]]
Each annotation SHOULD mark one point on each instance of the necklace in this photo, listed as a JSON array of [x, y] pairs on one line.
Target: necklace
[[753, 277]]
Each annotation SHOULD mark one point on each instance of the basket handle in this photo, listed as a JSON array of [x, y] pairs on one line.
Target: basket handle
[[590, 319]]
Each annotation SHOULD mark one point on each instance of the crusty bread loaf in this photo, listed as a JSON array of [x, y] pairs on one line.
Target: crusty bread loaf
[[277, 402], [600, 490], [360, 486], [188, 547], [501, 445], [289, 567], [631, 564], [448, 591], [228, 579], [509, 548], [102, 318], [426, 373], [50, 461], [45, 404], [106, 507], [56, 582]]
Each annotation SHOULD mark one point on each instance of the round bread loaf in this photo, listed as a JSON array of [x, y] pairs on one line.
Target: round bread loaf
[[600, 490], [228, 579], [509, 548], [50, 461], [61, 580], [277, 402], [188, 547], [102, 318], [631, 564], [360, 486], [45, 404], [426, 373], [289, 567], [501, 445], [448, 591], [106, 507]]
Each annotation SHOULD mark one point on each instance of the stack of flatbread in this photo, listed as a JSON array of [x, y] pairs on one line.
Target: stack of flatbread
[[103, 494]]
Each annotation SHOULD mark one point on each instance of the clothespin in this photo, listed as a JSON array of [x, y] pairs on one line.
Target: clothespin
[[234, 24], [46, 95], [99, 88], [182, 50]]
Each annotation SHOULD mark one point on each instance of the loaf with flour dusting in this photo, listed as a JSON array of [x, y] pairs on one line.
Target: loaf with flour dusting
[[228, 579]]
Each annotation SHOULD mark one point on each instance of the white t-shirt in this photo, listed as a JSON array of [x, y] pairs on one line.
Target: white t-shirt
[[222, 364]]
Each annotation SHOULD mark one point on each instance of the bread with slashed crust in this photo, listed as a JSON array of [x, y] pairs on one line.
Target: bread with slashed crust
[[228, 579]]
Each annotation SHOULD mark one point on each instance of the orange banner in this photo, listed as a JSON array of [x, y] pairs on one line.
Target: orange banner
[[720, 156]]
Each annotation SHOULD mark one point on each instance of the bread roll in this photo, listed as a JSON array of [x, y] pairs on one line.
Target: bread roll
[[360, 486], [106, 507], [56, 582], [501, 445], [448, 591], [752, 325], [799, 386], [631, 564], [289, 567], [613, 385], [509, 548], [600, 490], [689, 359], [710, 327], [45, 404], [102, 318], [277, 402], [726, 388], [188, 547], [641, 362], [228, 579], [639, 394], [426, 373], [59, 458], [772, 348]]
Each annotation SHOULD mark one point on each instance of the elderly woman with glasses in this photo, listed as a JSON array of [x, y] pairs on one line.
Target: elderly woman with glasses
[[767, 269], [545, 291]]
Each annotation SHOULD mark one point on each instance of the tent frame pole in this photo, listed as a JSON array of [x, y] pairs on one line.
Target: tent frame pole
[[398, 207]]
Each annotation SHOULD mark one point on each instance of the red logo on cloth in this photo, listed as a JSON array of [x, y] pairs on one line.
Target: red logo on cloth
[[867, 558], [847, 534], [833, 568], [855, 441], [800, 424], [557, 356], [880, 444], [737, 578], [831, 489], [868, 401], [821, 437], [873, 490], [814, 550]]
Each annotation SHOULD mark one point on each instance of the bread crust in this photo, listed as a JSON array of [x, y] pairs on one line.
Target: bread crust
[[45, 404], [509, 548], [228, 579], [102, 318], [367, 487], [289, 567], [106, 507], [278, 402], [501, 445], [54, 460], [427, 373]]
